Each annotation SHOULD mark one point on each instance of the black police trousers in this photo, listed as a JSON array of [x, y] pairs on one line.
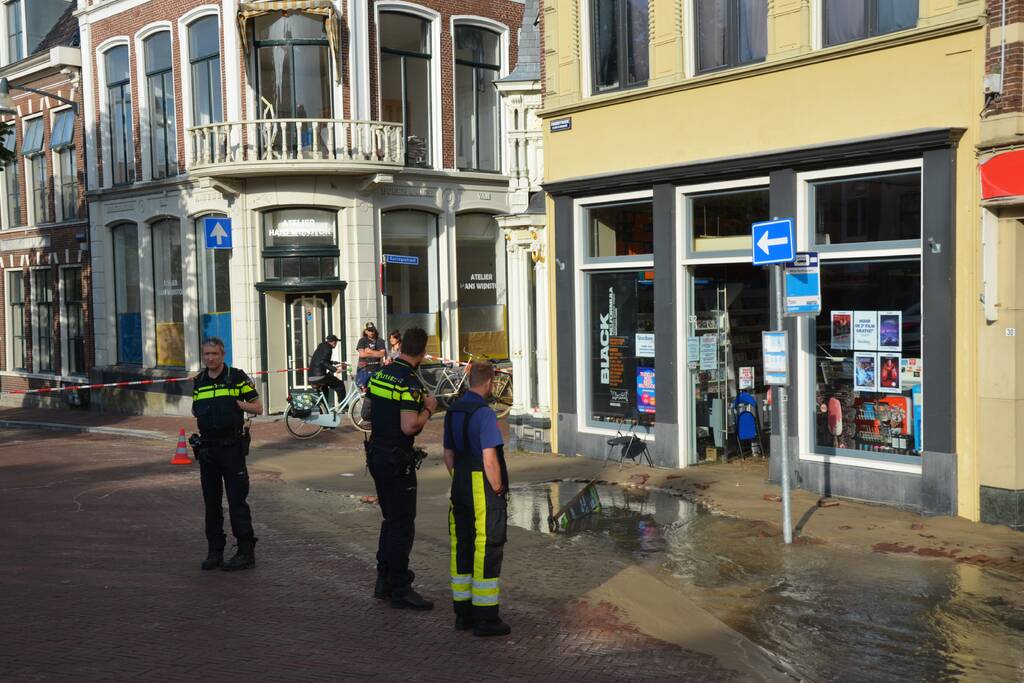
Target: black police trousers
[[396, 494], [222, 468]]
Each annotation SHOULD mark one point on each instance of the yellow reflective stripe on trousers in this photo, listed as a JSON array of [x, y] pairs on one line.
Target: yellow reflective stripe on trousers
[[480, 523], [486, 592]]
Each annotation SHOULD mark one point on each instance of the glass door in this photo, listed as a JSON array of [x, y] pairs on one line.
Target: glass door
[[307, 325]]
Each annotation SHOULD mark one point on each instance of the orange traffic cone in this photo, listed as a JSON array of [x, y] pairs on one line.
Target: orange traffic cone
[[181, 452]]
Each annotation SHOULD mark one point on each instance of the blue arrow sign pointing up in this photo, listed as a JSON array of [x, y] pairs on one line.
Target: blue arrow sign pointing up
[[218, 232]]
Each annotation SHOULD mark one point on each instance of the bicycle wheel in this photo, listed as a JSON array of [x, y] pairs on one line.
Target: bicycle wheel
[[446, 393], [299, 427], [355, 413], [501, 394]]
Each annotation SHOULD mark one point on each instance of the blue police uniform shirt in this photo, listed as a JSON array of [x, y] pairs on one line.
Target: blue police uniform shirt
[[483, 426]]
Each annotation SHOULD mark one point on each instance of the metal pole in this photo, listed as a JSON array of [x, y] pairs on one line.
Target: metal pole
[[780, 395]]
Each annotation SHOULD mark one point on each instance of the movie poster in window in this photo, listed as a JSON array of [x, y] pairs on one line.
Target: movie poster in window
[[890, 330], [613, 323], [842, 330], [865, 371], [889, 378]]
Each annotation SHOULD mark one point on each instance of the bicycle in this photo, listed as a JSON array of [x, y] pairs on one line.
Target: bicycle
[[453, 382], [308, 412]]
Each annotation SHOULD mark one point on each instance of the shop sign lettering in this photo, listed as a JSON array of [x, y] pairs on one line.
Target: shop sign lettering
[[480, 281], [302, 227]]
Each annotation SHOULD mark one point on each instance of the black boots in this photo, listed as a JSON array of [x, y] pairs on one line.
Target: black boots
[[463, 615], [491, 627], [245, 558], [214, 559], [382, 589], [410, 599]]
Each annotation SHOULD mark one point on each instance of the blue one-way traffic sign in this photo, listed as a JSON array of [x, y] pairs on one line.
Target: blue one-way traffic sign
[[774, 242], [218, 233]]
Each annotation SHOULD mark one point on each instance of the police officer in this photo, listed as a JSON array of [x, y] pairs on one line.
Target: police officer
[[221, 396], [322, 367], [400, 410], [474, 453]]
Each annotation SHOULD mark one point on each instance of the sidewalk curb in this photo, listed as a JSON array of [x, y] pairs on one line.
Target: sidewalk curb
[[114, 431]]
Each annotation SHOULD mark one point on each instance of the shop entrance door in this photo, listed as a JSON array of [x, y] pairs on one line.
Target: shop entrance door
[[728, 311], [307, 323]]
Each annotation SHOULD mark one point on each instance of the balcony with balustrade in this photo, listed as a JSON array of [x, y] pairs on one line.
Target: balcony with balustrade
[[235, 149]]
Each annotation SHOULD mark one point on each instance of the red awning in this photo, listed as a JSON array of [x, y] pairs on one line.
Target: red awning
[[1003, 175]]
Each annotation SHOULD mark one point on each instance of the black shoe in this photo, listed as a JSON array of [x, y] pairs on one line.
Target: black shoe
[[382, 589], [463, 623], [410, 599], [495, 627], [214, 559], [245, 558]]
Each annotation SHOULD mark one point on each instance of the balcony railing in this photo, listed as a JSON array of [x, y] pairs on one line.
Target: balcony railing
[[265, 145]]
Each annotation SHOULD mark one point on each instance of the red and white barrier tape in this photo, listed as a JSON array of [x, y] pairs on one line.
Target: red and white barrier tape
[[134, 383]]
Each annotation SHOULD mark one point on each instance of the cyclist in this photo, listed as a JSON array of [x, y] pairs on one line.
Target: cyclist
[[322, 368]]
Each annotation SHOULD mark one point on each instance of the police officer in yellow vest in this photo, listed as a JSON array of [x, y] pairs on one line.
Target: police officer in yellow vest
[[221, 396], [475, 457]]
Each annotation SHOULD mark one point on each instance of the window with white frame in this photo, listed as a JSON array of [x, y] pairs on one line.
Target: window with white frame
[[127, 293], [616, 280], [20, 339], [12, 182], [405, 81], [163, 143], [848, 20], [619, 41], [168, 290], [477, 67], [34, 152], [119, 111], [62, 146], [730, 33], [15, 32], [73, 293], [204, 65], [42, 319], [214, 292]]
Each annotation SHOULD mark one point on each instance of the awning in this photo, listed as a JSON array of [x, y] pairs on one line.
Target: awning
[[1003, 175], [324, 8]]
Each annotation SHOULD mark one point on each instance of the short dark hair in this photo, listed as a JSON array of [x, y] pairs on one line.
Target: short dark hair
[[214, 341], [480, 372], [414, 341]]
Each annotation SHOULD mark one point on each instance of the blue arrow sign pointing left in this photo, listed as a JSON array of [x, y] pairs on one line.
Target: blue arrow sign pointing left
[[218, 232]]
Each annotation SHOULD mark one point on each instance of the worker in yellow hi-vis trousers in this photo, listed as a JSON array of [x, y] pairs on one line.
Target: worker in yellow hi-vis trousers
[[474, 454]]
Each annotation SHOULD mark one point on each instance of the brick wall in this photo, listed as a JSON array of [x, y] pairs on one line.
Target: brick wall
[[1012, 98]]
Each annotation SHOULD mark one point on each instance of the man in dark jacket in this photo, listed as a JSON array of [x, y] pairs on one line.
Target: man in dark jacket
[[322, 367]]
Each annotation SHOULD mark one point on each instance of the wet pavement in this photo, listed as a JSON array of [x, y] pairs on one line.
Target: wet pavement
[[826, 611]]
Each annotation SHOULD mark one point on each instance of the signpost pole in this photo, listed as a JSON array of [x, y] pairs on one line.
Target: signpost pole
[[783, 401]]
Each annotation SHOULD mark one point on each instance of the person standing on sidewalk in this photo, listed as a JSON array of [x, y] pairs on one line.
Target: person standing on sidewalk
[[371, 350], [400, 410], [474, 453], [221, 396]]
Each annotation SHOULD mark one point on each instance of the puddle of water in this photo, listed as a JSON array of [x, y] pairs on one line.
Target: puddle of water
[[834, 614]]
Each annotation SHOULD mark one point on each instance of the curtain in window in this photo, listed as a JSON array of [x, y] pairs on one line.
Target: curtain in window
[[324, 8], [636, 34], [845, 20], [896, 15], [712, 21], [606, 44], [753, 30]]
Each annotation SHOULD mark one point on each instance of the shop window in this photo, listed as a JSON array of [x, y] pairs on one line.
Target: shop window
[[300, 244], [480, 271], [167, 294], [621, 229], [62, 144], [73, 292], [405, 81], [15, 32], [214, 292], [33, 150], [731, 33], [620, 352], [868, 374], [127, 300], [294, 70], [721, 220], [204, 63], [119, 111], [619, 39], [477, 66], [163, 142], [412, 289], [848, 20], [872, 208], [42, 319], [12, 182], [20, 339]]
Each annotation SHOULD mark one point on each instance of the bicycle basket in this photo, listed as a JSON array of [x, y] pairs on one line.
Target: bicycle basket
[[303, 403]]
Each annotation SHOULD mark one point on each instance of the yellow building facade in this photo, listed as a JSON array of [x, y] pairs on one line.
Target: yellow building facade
[[663, 146]]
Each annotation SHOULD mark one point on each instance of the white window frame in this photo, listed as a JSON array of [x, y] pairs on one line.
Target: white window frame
[[503, 70], [58, 171], [436, 112], [8, 331], [106, 143], [185, 64], [5, 219], [8, 58], [583, 269], [142, 107], [30, 181], [804, 356], [65, 338]]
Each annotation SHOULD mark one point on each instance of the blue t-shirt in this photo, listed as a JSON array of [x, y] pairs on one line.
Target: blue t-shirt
[[483, 426]]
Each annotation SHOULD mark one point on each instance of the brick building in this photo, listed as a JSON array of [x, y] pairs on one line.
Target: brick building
[[352, 154], [45, 339]]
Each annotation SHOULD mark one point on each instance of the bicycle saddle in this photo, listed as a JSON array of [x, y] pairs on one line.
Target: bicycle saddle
[[619, 440]]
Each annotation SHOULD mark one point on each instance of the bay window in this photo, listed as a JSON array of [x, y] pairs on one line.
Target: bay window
[[405, 81], [477, 67]]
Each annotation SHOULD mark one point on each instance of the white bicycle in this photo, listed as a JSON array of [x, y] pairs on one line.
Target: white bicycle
[[308, 412]]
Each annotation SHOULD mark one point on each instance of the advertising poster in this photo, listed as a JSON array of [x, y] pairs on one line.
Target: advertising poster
[[910, 372], [842, 330], [645, 390], [890, 329], [747, 377], [775, 357], [865, 371], [889, 373], [865, 330], [613, 323], [645, 345], [709, 351]]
